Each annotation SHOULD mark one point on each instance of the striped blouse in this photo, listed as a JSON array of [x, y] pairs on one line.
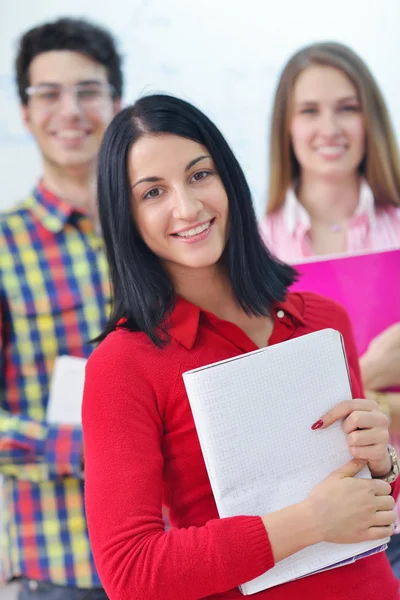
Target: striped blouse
[[286, 232]]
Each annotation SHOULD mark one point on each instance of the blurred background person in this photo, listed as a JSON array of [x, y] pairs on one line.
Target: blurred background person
[[335, 184], [54, 294]]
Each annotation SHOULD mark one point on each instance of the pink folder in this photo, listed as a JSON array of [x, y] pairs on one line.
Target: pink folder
[[367, 285]]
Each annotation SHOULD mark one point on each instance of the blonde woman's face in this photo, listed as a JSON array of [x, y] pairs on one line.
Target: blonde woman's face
[[327, 125]]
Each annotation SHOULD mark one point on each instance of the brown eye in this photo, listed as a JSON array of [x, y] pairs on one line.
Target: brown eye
[[309, 111], [350, 108], [201, 175], [153, 193]]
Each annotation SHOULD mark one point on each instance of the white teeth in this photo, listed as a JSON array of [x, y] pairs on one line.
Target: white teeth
[[71, 134], [331, 150], [195, 230]]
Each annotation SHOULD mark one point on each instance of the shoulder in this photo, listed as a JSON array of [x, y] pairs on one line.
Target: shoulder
[[129, 355], [390, 208], [271, 221], [128, 370], [319, 312], [274, 232], [388, 212], [395, 213], [14, 219], [117, 370], [14, 224], [120, 351], [20, 208]]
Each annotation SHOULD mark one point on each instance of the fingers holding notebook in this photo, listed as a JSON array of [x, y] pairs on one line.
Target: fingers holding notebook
[[366, 428], [347, 509]]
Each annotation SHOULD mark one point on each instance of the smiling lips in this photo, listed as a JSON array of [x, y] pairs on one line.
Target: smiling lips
[[71, 137], [331, 151], [195, 233], [71, 133]]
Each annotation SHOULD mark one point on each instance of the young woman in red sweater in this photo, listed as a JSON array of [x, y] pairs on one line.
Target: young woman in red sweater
[[194, 284]]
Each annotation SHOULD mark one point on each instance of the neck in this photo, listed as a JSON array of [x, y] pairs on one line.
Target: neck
[[208, 288], [76, 186], [211, 290], [329, 201]]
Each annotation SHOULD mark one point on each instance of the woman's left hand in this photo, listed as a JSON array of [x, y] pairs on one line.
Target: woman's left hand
[[366, 429]]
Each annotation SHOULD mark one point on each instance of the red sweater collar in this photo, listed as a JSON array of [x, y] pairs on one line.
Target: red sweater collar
[[184, 323]]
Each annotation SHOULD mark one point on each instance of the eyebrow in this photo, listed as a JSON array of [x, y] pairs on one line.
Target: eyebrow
[[340, 100], [154, 179], [349, 99]]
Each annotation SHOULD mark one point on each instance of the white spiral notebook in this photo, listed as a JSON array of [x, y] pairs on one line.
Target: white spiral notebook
[[253, 415]]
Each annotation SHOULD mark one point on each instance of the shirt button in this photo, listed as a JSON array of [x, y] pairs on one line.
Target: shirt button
[[280, 314], [33, 585]]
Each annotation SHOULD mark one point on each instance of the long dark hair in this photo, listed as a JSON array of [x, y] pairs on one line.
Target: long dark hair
[[142, 289]]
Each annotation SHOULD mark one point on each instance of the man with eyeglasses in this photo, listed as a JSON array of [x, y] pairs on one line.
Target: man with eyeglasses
[[54, 298]]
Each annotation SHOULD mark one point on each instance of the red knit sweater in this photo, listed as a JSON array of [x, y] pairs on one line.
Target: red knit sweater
[[142, 451]]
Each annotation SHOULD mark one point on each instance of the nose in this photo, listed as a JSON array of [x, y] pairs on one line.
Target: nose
[[329, 124], [69, 105], [186, 206]]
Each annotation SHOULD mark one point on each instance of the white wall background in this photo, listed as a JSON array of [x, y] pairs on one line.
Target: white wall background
[[223, 55]]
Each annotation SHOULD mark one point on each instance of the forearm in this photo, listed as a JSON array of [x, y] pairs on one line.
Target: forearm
[[21, 439], [291, 529], [393, 400], [34, 450], [145, 562], [193, 563], [35, 473]]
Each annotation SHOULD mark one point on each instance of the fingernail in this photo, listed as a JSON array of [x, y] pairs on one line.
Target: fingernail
[[317, 424]]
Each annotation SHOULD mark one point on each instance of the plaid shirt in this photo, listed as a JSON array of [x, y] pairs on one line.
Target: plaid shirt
[[54, 297]]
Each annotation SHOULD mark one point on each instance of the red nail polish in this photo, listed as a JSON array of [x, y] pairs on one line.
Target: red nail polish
[[317, 425]]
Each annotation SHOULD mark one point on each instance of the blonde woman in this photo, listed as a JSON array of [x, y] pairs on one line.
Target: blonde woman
[[335, 180]]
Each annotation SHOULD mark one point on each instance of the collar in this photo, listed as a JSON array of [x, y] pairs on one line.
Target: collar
[[184, 322], [292, 307], [295, 215], [51, 210]]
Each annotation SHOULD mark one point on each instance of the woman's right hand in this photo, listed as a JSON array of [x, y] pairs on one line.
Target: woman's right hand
[[347, 509]]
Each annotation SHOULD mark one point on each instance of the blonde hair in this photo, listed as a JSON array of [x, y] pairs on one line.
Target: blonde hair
[[380, 166]]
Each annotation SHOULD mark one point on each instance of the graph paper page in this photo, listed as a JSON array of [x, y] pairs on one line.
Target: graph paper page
[[253, 416]]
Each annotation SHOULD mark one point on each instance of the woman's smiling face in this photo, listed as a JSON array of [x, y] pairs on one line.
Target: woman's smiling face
[[179, 203]]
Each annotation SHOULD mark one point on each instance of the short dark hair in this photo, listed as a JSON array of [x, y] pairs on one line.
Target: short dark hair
[[76, 35], [143, 291]]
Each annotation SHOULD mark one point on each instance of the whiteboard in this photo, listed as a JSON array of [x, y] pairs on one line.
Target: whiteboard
[[223, 55]]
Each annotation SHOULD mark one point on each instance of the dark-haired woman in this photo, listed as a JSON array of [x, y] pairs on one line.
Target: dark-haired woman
[[193, 284]]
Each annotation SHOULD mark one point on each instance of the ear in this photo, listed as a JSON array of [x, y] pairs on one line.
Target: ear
[[26, 117], [117, 105]]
